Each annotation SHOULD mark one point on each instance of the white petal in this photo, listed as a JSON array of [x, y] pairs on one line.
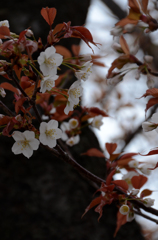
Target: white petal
[[58, 59], [59, 133], [69, 107], [154, 118], [27, 152], [43, 127], [50, 51], [16, 148], [34, 144], [18, 136], [29, 134], [52, 124]]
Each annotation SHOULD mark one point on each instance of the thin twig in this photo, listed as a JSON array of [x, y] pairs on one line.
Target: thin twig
[[6, 109], [145, 216]]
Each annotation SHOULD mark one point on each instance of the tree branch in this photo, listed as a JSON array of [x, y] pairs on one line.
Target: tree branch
[[115, 9]]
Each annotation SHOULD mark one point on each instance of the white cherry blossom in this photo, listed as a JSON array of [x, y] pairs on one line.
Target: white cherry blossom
[[74, 92], [73, 140], [97, 122], [64, 127], [85, 71], [49, 132], [47, 83], [25, 143], [127, 177], [133, 164], [149, 126], [148, 202], [2, 92], [124, 209], [4, 23], [73, 123], [49, 61]]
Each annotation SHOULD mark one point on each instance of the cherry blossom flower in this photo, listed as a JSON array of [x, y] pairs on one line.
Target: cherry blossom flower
[[64, 127], [130, 216], [149, 126], [47, 83], [116, 31], [124, 209], [144, 168], [73, 123], [29, 33], [133, 164], [73, 140], [25, 143], [49, 132], [2, 92], [84, 73], [97, 122], [127, 177], [129, 27], [148, 202], [134, 192], [4, 23], [75, 91], [49, 61]]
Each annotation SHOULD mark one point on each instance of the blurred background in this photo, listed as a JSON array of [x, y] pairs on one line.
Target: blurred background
[[43, 198]]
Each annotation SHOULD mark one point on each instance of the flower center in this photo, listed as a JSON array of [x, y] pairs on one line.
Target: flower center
[[24, 144], [50, 61], [76, 92], [50, 133], [125, 209]]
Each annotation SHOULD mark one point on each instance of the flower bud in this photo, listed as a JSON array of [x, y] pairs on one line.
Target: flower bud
[[124, 209], [73, 123], [148, 202], [29, 33]]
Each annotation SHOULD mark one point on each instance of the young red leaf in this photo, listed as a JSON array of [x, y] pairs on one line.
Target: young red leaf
[[151, 103], [145, 193], [145, 6], [154, 167], [121, 183], [8, 128], [48, 14], [19, 104], [4, 120], [9, 87], [127, 155], [124, 45], [152, 152], [94, 152], [99, 208], [111, 147], [153, 92], [4, 32], [121, 220], [94, 202], [138, 181], [109, 177]]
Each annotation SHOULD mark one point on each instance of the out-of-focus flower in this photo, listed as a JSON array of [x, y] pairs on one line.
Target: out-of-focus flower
[[150, 81], [97, 122], [114, 80], [64, 127], [74, 92], [49, 61], [73, 140], [130, 216], [18, 118], [124, 209], [133, 164], [49, 132], [25, 143], [117, 47], [116, 31], [148, 202], [73, 123], [149, 126], [144, 168], [148, 58], [4, 23], [129, 27], [142, 24], [127, 177], [1, 116], [29, 33], [85, 71], [134, 192], [85, 57], [2, 92], [47, 83]]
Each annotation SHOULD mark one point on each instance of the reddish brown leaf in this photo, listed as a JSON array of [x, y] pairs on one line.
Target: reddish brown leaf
[[145, 6], [118, 63], [94, 202], [124, 45], [63, 51], [4, 120], [121, 183], [94, 152], [9, 87], [109, 177], [156, 166], [134, 5], [153, 92], [48, 14], [4, 32], [151, 103], [19, 104], [138, 181], [145, 193], [111, 147], [125, 21], [121, 220], [152, 152], [58, 28], [127, 155]]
